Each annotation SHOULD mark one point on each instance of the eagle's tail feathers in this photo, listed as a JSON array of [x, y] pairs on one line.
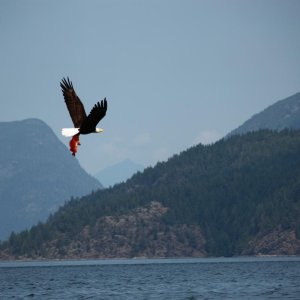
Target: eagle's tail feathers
[[69, 131]]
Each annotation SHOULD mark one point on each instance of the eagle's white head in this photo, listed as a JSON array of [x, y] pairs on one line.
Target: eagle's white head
[[99, 130]]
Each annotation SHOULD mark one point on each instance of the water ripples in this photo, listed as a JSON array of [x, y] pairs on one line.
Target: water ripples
[[188, 280]]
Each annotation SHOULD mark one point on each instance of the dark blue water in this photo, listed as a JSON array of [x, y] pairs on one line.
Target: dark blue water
[[237, 278]]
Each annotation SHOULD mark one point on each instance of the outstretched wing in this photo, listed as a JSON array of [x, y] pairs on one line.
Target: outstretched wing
[[74, 105], [97, 113]]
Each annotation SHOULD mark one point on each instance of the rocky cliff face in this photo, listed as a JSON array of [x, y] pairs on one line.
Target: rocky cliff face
[[277, 242], [140, 233]]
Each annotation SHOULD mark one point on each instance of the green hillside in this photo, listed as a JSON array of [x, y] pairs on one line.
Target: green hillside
[[240, 195]]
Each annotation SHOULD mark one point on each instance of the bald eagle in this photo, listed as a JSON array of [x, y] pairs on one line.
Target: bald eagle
[[83, 124]]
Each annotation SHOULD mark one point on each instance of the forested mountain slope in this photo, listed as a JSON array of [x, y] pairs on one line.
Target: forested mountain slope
[[238, 196]]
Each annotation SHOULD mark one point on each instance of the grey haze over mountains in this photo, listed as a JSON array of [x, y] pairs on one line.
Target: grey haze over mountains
[[118, 173], [282, 114], [37, 175]]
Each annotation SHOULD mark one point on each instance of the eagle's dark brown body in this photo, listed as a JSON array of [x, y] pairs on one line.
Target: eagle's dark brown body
[[83, 124]]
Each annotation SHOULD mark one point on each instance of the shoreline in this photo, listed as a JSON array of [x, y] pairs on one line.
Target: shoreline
[[144, 260]]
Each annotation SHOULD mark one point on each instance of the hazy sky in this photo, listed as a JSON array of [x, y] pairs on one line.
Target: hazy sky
[[175, 73]]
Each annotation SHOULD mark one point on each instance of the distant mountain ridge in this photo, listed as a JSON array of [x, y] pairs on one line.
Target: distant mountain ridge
[[278, 116], [37, 175], [118, 172], [239, 196]]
